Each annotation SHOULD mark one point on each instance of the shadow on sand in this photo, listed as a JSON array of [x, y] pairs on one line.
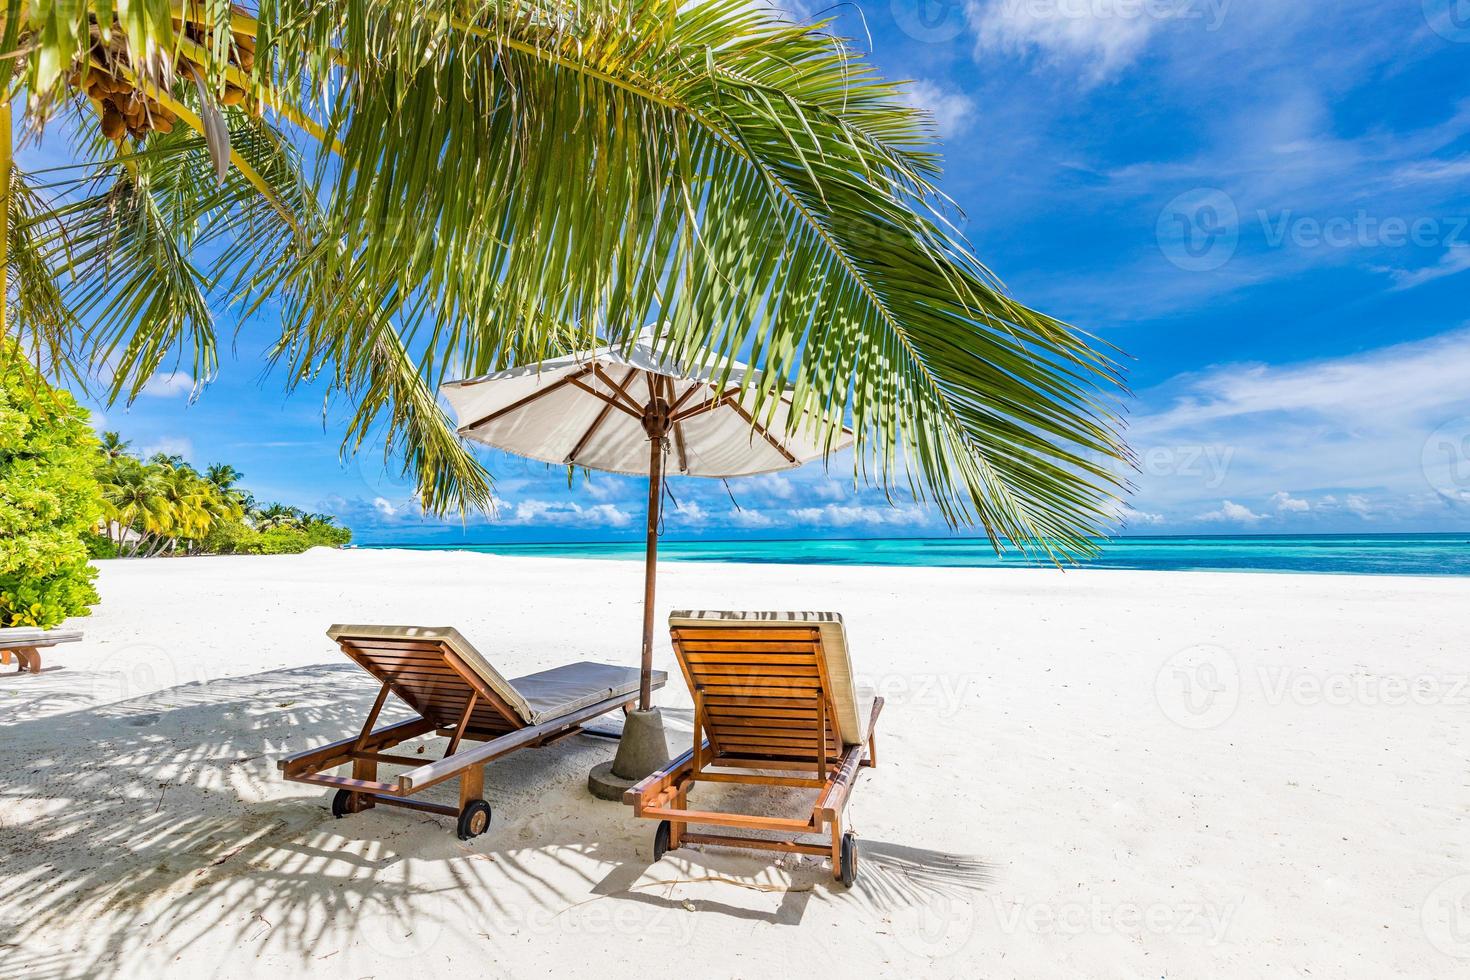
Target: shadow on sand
[[132, 833]]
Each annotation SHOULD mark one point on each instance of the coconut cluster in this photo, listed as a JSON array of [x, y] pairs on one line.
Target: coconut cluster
[[126, 110]]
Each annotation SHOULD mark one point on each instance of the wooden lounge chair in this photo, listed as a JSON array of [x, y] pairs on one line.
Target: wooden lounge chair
[[774, 705], [26, 644], [457, 694]]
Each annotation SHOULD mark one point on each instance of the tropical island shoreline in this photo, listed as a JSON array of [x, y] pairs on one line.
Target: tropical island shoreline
[[1079, 774]]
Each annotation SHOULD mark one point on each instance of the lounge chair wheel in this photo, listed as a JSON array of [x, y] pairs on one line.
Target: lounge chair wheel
[[661, 840], [847, 874], [342, 804], [474, 819]]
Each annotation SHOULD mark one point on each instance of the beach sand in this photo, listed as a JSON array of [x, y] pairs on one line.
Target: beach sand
[[1089, 774]]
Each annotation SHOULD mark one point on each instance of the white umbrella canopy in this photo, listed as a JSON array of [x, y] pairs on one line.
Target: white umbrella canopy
[[631, 411], [589, 409]]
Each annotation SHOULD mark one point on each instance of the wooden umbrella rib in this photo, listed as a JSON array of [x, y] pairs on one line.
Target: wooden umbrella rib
[[688, 393], [678, 428], [775, 443], [611, 401], [708, 406], [620, 390], [523, 402], [596, 424]]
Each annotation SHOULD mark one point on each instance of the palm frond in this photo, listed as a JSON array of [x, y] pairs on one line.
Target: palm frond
[[503, 179]]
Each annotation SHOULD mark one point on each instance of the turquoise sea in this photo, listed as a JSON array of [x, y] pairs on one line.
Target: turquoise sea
[[1368, 554]]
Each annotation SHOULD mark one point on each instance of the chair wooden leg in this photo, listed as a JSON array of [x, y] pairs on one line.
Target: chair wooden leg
[[837, 848], [676, 827], [471, 785], [872, 762], [363, 769]]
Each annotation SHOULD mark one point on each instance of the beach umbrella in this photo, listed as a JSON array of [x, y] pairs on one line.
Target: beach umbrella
[[629, 410]]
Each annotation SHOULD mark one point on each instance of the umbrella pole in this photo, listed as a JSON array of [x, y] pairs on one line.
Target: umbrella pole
[[650, 566]]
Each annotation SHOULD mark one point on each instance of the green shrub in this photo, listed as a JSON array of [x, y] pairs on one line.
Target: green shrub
[[99, 545], [231, 536], [49, 499]]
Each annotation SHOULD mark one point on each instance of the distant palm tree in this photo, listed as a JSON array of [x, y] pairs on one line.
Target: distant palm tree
[[134, 500], [222, 475], [278, 515], [442, 185], [113, 446]]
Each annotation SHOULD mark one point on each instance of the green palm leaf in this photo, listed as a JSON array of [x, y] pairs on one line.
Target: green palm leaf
[[504, 179]]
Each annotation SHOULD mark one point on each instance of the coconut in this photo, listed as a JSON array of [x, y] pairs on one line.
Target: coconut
[[113, 125]]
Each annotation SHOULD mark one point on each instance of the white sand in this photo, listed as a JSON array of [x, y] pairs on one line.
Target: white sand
[[1051, 799]]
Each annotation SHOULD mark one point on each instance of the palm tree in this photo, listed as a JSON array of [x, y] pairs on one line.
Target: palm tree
[[427, 184], [222, 475], [134, 500], [113, 445], [277, 515]]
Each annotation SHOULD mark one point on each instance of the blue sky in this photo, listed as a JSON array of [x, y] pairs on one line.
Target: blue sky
[[1265, 204]]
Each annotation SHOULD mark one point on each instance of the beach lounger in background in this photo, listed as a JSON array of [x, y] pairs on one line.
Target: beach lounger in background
[[459, 695], [774, 705], [25, 643]]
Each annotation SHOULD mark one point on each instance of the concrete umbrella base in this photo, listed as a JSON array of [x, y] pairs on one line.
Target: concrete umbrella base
[[642, 751]]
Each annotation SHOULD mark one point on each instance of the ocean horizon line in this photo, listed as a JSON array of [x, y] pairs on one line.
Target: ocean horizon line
[[1433, 553], [570, 542]]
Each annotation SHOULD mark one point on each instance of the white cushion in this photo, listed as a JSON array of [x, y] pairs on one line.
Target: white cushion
[[535, 698], [852, 706]]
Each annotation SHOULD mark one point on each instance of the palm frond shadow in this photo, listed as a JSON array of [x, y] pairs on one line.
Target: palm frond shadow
[[154, 823], [163, 817], [23, 699], [893, 876]]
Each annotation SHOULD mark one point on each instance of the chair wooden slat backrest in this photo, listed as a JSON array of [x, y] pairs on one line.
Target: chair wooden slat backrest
[[761, 693], [427, 675]]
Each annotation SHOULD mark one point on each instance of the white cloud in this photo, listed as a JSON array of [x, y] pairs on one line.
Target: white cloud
[[1130, 516], [772, 485], [1233, 513], [1455, 260], [600, 489], [385, 507], [950, 108], [690, 512], [168, 446], [1100, 36], [1360, 505], [554, 512], [1360, 425], [1284, 501], [749, 518], [1417, 378], [169, 385], [855, 515]]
